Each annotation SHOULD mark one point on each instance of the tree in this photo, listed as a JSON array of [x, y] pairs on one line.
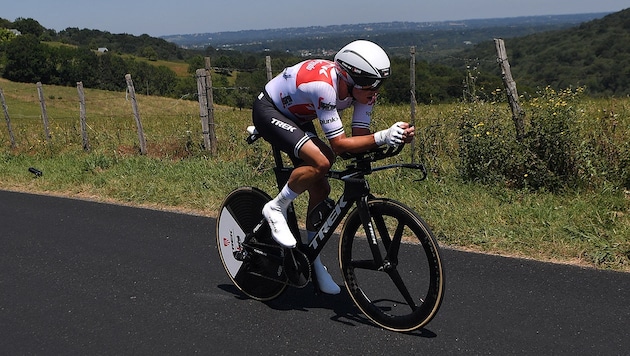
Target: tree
[[111, 73], [29, 26], [149, 53], [164, 81], [195, 63], [6, 35], [74, 65], [28, 60], [4, 23], [86, 66]]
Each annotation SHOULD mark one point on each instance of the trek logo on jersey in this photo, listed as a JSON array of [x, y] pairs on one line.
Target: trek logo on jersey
[[283, 125], [326, 106]]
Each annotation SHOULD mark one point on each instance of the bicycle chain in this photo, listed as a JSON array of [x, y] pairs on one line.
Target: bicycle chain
[[283, 254]]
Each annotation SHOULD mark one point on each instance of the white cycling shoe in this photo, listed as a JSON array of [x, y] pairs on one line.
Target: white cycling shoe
[[278, 223], [324, 281]]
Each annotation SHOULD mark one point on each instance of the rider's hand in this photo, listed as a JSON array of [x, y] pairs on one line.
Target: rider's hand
[[393, 136], [410, 132]]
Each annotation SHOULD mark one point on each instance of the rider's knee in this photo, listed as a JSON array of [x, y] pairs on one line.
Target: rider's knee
[[321, 165], [324, 166]]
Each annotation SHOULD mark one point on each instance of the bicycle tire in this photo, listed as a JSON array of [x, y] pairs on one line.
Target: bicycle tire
[[417, 264], [240, 212]]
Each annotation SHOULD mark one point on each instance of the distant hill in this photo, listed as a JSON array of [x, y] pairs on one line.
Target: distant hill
[[430, 36], [562, 51], [595, 54]]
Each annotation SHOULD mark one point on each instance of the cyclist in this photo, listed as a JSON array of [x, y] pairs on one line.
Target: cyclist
[[283, 114]]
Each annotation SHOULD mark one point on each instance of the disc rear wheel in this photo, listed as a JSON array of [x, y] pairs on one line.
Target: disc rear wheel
[[260, 277]]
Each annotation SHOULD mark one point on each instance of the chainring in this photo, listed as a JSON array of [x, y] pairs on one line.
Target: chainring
[[297, 268]]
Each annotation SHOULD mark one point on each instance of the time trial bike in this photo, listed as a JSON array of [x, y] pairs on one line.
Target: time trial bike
[[389, 257]]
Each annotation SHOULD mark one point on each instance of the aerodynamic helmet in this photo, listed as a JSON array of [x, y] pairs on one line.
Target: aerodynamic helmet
[[365, 62]]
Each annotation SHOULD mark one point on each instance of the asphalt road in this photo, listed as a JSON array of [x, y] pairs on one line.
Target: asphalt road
[[85, 278]]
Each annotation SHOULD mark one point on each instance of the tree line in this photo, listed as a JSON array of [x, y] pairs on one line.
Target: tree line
[[594, 54], [28, 60], [64, 58]]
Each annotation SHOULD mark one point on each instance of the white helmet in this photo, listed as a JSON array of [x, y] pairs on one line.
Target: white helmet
[[365, 62]]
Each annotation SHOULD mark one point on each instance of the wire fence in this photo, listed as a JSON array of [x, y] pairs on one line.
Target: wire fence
[[57, 107]]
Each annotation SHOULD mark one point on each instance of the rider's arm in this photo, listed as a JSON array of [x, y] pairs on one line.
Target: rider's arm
[[359, 131], [398, 133], [354, 144], [362, 138]]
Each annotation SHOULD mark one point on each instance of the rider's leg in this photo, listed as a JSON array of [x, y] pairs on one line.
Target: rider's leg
[[317, 159], [275, 212], [317, 193], [325, 281]]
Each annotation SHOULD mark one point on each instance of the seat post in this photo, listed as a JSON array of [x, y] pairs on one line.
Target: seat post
[[281, 171]]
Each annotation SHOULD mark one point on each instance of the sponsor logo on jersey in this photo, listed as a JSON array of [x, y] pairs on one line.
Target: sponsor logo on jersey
[[326, 106], [286, 100], [328, 121]]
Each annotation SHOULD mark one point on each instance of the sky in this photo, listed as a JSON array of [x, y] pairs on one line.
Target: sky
[[171, 17]]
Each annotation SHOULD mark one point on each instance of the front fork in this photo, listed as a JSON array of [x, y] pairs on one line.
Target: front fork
[[368, 227]]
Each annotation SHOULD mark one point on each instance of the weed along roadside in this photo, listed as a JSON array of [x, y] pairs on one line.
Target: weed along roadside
[[485, 191]]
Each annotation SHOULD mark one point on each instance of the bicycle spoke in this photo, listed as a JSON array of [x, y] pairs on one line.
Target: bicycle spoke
[[392, 251], [366, 265], [382, 230], [392, 246], [391, 258], [402, 287]]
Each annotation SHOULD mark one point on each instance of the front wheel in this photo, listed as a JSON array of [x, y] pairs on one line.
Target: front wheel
[[396, 279]]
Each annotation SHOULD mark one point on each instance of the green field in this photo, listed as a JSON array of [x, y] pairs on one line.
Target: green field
[[589, 226]]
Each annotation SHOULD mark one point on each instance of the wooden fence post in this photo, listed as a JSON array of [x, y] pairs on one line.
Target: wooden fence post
[[412, 77], [210, 102], [6, 116], [136, 114], [201, 74], [84, 135], [42, 103], [518, 115], [268, 66]]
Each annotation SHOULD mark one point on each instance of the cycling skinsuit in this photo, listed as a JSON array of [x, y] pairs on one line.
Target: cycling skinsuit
[[284, 112]]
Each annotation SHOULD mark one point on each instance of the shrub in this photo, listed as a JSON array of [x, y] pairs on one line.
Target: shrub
[[553, 138], [549, 157]]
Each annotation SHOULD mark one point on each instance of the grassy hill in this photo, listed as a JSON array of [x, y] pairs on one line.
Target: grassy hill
[[595, 54], [541, 50]]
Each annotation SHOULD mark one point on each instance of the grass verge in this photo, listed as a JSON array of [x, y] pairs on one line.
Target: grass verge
[[589, 227]]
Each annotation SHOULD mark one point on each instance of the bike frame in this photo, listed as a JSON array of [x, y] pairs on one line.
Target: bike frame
[[356, 191]]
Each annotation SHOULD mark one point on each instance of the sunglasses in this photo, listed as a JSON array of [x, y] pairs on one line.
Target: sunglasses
[[367, 83]]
